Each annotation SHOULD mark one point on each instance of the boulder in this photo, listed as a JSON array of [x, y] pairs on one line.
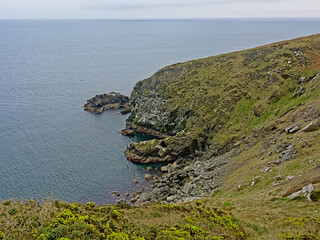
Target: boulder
[[313, 126], [289, 153], [135, 181], [115, 193], [187, 188], [122, 200], [304, 192], [144, 197], [148, 177], [164, 168], [292, 129]]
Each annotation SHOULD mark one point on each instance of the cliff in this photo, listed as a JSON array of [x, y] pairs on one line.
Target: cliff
[[213, 102]]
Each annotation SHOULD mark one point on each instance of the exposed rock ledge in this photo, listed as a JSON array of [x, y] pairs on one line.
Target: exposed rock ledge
[[103, 102], [146, 130]]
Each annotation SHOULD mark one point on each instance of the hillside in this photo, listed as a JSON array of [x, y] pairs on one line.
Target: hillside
[[240, 132]]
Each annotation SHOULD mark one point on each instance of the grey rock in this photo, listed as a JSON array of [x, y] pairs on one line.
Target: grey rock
[[164, 168], [254, 181], [182, 174], [144, 197], [279, 178], [148, 176], [237, 144], [165, 190], [122, 200], [187, 188], [135, 181], [292, 129], [289, 153], [206, 176], [305, 192], [310, 161], [311, 127], [302, 80], [289, 177], [265, 169], [115, 193], [171, 198]]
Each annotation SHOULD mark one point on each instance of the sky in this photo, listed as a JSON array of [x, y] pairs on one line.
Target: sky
[[155, 9]]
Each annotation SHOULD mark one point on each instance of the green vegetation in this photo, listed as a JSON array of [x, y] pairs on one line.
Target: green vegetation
[[59, 220]]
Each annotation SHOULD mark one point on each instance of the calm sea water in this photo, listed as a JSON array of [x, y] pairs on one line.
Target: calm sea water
[[48, 69]]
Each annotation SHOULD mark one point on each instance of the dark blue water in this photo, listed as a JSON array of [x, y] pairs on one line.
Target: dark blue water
[[48, 69]]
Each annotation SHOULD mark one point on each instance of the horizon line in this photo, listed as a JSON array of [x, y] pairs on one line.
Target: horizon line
[[166, 19]]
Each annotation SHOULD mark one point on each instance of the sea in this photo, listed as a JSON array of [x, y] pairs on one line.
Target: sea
[[49, 146]]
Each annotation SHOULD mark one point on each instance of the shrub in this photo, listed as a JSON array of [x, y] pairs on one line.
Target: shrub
[[2, 236], [12, 211], [315, 196]]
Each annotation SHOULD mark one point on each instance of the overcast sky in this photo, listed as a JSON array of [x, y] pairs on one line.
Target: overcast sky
[[140, 9]]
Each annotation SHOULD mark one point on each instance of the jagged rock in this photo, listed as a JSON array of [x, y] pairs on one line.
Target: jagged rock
[[305, 192], [187, 188], [292, 129], [302, 80], [289, 177], [144, 197], [103, 102], [122, 200], [149, 151], [155, 193], [289, 153], [239, 187], [254, 181], [164, 168], [135, 181], [127, 132], [311, 127], [171, 198], [115, 193], [148, 177], [265, 169], [125, 110], [237, 144]]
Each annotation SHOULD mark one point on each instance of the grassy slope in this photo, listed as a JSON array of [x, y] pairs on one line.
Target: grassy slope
[[228, 87]]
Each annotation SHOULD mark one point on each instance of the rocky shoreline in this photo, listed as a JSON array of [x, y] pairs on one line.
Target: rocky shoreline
[[103, 102]]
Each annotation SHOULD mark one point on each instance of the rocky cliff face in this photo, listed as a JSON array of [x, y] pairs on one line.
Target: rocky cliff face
[[256, 109], [150, 104], [218, 100]]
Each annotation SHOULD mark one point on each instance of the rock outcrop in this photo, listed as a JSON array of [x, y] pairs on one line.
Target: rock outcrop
[[103, 102]]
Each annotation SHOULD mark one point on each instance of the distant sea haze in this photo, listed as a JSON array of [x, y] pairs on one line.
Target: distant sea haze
[[48, 69]]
